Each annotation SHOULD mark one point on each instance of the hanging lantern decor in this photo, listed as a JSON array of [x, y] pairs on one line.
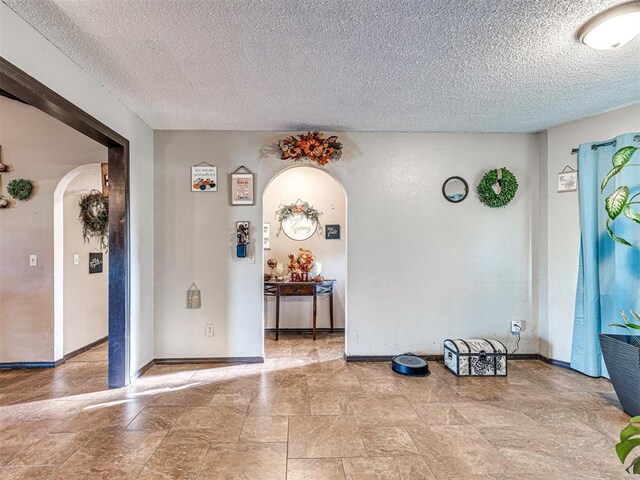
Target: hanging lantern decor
[[193, 296]]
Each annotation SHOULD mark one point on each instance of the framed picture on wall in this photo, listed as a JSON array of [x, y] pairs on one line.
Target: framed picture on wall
[[204, 178], [95, 262], [332, 232], [242, 187], [266, 236], [104, 169], [568, 180]]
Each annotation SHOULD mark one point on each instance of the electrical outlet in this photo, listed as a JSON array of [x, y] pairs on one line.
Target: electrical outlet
[[76, 259], [33, 260], [516, 326], [251, 258], [208, 330]]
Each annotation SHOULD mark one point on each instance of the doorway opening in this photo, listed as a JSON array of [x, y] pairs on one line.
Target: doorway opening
[[18, 85], [81, 268], [292, 299]]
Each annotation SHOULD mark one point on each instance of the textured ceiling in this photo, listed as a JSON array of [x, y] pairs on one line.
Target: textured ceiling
[[365, 65]]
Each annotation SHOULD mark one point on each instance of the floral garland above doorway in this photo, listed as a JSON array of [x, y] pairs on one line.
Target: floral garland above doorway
[[311, 145]]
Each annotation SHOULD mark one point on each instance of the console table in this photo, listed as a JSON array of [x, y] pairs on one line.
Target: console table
[[301, 289]]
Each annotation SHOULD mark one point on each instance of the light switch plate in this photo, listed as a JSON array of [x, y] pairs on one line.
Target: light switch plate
[[76, 259], [33, 260]]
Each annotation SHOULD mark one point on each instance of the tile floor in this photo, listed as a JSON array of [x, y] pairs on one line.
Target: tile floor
[[305, 414]]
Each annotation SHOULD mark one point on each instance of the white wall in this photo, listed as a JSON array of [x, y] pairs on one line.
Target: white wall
[[562, 222], [86, 305], [40, 148], [421, 269], [23, 46], [324, 193]]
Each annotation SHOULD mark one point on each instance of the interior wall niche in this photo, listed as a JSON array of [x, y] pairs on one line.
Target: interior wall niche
[[326, 194]]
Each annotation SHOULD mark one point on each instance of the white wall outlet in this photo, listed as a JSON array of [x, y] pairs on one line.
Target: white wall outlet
[[516, 326], [76, 259], [208, 330], [251, 258], [33, 260]]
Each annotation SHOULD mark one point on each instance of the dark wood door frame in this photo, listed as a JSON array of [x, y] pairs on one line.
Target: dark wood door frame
[[27, 89]]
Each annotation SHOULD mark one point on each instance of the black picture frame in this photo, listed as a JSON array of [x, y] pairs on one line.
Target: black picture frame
[[455, 200], [96, 263], [332, 232]]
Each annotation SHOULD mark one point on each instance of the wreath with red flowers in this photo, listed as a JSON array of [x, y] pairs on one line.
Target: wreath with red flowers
[[311, 145]]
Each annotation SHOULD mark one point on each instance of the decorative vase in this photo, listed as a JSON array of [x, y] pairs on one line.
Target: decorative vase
[[4, 201], [622, 357]]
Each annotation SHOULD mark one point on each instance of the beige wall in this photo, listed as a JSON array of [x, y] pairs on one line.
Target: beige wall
[[42, 149], [420, 269], [325, 194], [86, 309], [561, 222], [26, 48]]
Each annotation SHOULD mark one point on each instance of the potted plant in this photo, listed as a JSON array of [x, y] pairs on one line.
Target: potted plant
[[630, 439], [622, 357]]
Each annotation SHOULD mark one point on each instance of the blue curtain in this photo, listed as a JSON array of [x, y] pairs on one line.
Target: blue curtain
[[609, 274]]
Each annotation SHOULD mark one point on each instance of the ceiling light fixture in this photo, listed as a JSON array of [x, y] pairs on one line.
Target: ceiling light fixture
[[613, 27]]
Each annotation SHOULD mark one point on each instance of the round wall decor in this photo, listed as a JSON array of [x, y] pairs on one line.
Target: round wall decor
[[94, 217], [299, 227], [497, 188], [20, 188], [455, 189]]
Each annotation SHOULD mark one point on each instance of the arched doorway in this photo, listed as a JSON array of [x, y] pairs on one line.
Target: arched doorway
[[80, 299], [307, 184]]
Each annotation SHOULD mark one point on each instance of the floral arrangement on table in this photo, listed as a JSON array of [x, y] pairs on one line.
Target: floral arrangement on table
[[302, 263], [311, 145], [298, 208]]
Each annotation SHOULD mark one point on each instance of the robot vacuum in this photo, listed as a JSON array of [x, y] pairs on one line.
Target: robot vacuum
[[410, 364]]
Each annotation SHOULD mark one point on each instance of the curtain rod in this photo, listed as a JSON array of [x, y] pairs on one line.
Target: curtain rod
[[595, 146]]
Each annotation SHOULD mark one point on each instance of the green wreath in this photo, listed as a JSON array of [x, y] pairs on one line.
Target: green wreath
[[94, 217], [508, 186], [20, 189]]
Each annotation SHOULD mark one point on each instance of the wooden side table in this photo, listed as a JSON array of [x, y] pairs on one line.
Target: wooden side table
[[301, 289]]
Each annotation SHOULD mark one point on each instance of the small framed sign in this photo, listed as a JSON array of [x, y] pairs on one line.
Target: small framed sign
[[332, 232], [204, 178], [242, 187], [104, 169], [568, 180], [266, 236], [95, 263]]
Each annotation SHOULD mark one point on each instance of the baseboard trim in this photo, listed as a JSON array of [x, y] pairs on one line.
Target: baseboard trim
[[144, 368], [440, 358], [387, 358], [523, 356], [555, 363], [233, 360], [24, 365], [304, 330], [80, 350]]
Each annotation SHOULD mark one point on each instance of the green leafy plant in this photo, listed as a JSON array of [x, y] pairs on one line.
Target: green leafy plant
[[20, 188], [621, 201], [507, 186], [94, 217], [630, 439], [633, 327]]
